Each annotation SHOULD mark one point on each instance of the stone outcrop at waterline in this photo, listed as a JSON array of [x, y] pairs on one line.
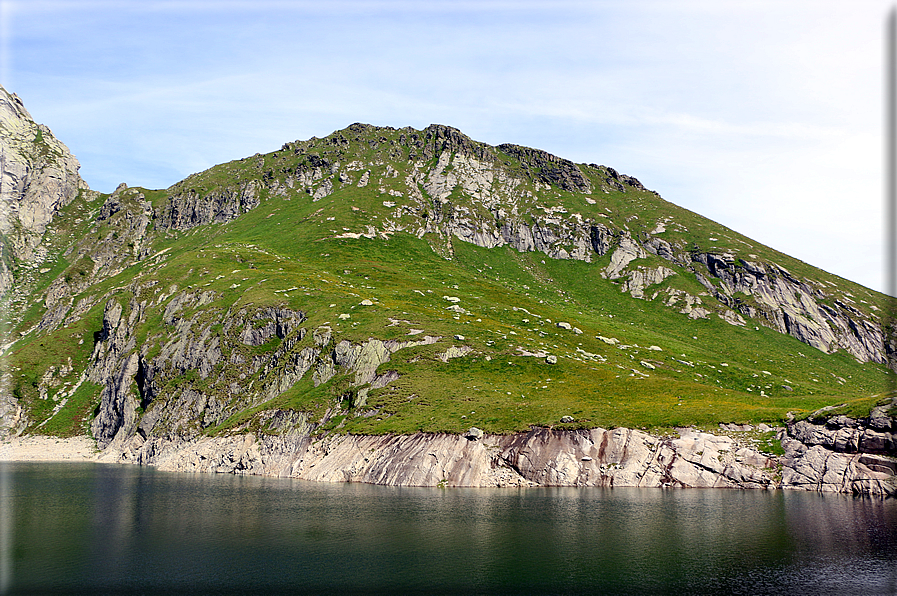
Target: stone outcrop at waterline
[[541, 457]]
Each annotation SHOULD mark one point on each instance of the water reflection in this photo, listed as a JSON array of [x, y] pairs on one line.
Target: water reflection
[[91, 527], [6, 530]]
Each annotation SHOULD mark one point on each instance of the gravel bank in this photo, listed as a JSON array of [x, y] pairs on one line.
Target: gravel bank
[[37, 448]]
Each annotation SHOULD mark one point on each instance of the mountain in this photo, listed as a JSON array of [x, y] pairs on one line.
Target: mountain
[[390, 282]]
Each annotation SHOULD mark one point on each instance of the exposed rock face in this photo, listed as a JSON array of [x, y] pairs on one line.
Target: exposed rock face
[[549, 168], [846, 435], [546, 457], [130, 215], [842, 454], [817, 468], [118, 412], [627, 251], [38, 176], [186, 209], [176, 387]]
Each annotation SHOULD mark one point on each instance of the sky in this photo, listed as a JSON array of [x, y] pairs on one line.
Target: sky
[[766, 117]]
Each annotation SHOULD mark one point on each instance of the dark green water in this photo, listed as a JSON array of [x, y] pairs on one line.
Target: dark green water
[[97, 529]]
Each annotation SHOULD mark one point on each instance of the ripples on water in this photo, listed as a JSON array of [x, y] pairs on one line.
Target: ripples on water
[[94, 528]]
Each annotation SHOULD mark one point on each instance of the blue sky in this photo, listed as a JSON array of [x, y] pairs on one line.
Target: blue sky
[[764, 116]]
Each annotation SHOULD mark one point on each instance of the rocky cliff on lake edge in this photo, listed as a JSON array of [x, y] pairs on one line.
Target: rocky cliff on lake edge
[[840, 455]]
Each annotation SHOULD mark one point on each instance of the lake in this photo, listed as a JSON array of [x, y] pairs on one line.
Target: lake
[[109, 529]]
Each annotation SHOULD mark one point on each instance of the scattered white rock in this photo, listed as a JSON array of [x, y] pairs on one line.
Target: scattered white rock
[[454, 352], [538, 354], [473, 434]]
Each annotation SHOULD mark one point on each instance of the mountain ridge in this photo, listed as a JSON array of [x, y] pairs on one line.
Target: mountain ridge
[[786, 313], [396, 281]]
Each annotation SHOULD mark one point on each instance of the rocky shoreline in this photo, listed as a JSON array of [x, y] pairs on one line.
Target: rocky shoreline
[[841, 455]]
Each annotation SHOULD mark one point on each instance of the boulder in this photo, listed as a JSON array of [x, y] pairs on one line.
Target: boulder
[[473, 434]]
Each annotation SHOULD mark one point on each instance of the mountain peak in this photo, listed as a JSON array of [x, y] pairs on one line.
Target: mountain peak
[[394, 280]]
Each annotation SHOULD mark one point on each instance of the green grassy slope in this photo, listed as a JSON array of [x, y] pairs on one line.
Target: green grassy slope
[[636, 363]]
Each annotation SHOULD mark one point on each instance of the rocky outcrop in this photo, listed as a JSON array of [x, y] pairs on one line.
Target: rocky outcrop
[[841, 455], [128, 216], [437, 139], [207, 367], [836, 453], [38, 177], [117, 416], [819, 469], [190, 207], [847, 435], [550, 169], [800, 308], [541, 457], [627, 251]]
